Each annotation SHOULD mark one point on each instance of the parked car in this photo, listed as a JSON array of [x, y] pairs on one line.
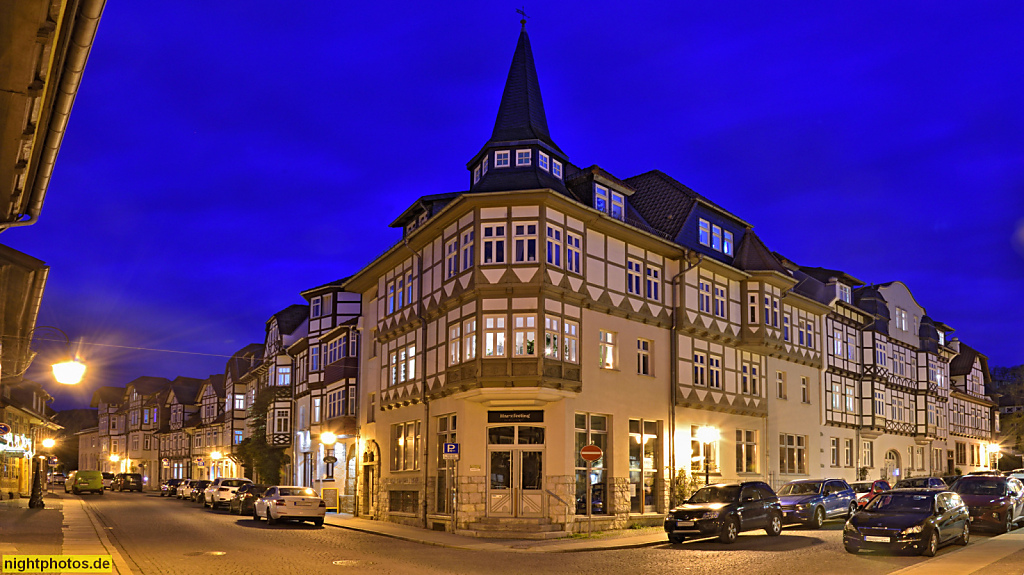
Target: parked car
[[220, 491], [865, 490], [812, 501], [994, 502], [986, 472], [243, 499], [167, 488], [724, 511], [196, 490], [923, 482], [1016, 474], [58, 478], [283, 502], [919, 520], [127, 482], [183, 488], [108, 479], [84, 480], [951, 479]]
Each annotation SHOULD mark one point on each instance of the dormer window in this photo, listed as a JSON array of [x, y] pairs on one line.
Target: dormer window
[[601, 198], [523, 157], [501, 159], [845, 293], [704, 232], [484, 165], [714, 237], [315, 307], [609, 202], [476, 174], [542, 161], [727, 242], [618, 206], [556, 169]]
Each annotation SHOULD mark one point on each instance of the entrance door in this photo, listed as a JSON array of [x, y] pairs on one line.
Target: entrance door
[[516, 486], [893, 473]]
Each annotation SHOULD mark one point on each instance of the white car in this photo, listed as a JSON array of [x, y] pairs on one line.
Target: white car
[[221, 490], [183, 489], [280, 502]]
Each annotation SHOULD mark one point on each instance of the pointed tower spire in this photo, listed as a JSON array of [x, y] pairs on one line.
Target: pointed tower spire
[[521, 112]]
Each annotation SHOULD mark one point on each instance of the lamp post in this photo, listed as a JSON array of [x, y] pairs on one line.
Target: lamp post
[[707, 435], [35, 499], [327, 439]]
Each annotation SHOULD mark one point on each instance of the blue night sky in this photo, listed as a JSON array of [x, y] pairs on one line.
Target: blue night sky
[[224, 156]]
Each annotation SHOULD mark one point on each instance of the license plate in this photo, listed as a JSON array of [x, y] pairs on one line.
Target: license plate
[[873, 539], [303, 503], [684, 523]]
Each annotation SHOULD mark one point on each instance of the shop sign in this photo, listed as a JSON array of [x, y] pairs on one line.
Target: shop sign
[[16, 442], [521, 416]]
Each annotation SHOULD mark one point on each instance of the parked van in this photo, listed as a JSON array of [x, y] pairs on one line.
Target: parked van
[[84, 480]]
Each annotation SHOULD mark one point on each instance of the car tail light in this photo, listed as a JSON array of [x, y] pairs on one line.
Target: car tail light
[[280, 502], [322, 503]]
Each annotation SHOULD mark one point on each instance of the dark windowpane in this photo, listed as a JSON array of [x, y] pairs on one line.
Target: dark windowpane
[[531, 435], [501, 470], [501, 435]]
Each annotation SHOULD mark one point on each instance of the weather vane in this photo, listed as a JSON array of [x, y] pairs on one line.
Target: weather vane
[[523, 12]]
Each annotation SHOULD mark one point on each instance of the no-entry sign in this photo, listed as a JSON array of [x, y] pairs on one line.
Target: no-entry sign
[[591, 453]]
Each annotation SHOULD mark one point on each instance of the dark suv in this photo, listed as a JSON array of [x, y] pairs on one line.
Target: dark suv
[[127, 482], [724, 511]]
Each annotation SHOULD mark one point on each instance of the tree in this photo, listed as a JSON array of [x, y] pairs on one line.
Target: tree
[[255, 452]]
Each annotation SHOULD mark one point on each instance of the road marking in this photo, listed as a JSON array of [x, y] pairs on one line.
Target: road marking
[[974, 557]]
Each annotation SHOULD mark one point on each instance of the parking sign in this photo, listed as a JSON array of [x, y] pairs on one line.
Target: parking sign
[[451, 451]]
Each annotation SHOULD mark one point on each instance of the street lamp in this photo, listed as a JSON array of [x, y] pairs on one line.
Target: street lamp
[[49, 442], [327, 439], [707, 435], [993, 450], [70, 371], [36, 497]]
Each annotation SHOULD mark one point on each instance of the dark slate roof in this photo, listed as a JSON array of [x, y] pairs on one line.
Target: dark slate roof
[[194, 421], [810, 287], [291, 317], [665, 203], [824, 275], [238, 365], [963, 363], [107, 394], [753, 255], [147, 384], [521, 112], [185, 389], [217, 381], [333, 284], [518, 178], [869, 299], [431, 204]]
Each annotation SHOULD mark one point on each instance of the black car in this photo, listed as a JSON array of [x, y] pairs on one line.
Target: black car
[[168, 487], [245, 497], [127, 482], [921, 482], [724, 511], [197, 488], [919, 520]]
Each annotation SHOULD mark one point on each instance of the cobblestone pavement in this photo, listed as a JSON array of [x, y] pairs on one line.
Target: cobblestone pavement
[[25, 531], [159, 535]]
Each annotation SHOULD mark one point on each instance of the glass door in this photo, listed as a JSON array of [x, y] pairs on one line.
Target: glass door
[[515, 470]]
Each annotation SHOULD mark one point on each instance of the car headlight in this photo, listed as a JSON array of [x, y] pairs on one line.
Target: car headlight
[[912, 530], [802, 506], [849, 528], [710, 515]]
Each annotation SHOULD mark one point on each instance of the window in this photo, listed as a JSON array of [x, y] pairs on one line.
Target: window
[[792, 453], [618, 206], [643, 356], [704, 296], [494, 335], [703, 453], [880, 354], [400, 293], [570, 342], [837, 396], [314, 358], [501, 159], [746, 451], [804, 392], [880, 403], [469, 339], [845, 294], [315, 307], [551, 337], [334, 404], [834, 450], [284, 376], [901, 318], [494, 243], [316, 409], [606, 350], [554, 245], [714, 371], [454, 344], [601, 198], [476, 174], [780, 384], [483, 164], [720, 302], [524, 334], [749, 378], [851, 347], [716, 238], [848, 452], [236, 436], [391, 297], [523, 157], [542, 160], [556, 169], [633, 274], [452, 259], [727, 242], [653, 283], [239, 401], [446, 433], [837, 344], [867, 454], [700, 363], [785, 328], [753, 309], [467, 250], [591, 488], [405, 446], [572, 252], [850, 402], [704, 232], [282, 421]]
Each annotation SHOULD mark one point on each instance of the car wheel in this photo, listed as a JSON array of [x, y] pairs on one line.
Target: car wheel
[[319, 522], [730, 531], [675, 539], [774, 525], [853, 509], [932, 545], [965, 537], [75, 490], [850, 549], [1009, 521], [270, 518], [818, 519], [255, 516]]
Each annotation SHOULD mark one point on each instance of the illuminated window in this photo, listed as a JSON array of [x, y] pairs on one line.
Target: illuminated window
[[501, 159], [542, 160], [522, 157], [524, 333], [606, 351]]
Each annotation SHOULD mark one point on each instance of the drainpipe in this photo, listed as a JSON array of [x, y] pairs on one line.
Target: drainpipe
[[422, 350], [674, 371]]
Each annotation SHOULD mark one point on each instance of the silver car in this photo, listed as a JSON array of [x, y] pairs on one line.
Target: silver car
[[221, 490]]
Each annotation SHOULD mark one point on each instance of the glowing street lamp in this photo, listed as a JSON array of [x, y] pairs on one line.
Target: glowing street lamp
[[215, 456], [49, 442], [327, 438], [69, 372], [993, 450], [707, 434]]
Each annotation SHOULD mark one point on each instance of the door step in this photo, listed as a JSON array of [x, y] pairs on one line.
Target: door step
[[510, 534]]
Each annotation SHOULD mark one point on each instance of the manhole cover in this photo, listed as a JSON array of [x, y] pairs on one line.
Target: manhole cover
[[351, 563], [202, 553]]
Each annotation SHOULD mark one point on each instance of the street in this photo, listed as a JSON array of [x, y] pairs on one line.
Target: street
[[161, 535]]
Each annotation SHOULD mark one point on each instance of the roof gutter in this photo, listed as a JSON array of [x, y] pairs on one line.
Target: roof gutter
[[86, 22]]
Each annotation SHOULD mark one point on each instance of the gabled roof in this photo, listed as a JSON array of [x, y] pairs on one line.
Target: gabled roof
[[185, 389], [194, 421], [753, 255], [824, 275], [334, 284], [963, 363], [291, 317], [147, 384], [107, 394], [521, 112], [239, 363], [665, 203]]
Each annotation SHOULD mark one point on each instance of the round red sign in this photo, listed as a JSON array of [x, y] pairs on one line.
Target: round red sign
[[591, 453]]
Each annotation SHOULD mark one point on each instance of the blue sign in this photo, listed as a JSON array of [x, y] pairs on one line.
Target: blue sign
[[4, 429], [450, 451]]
